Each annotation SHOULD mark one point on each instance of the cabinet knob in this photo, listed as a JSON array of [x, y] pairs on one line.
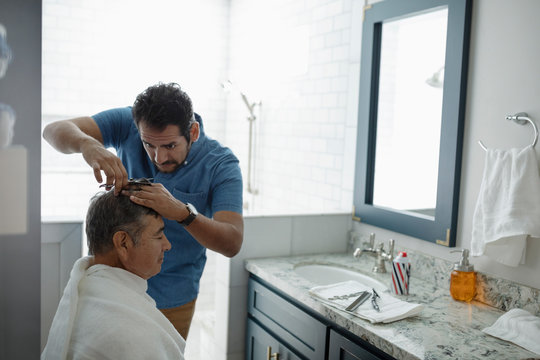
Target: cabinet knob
[[270, 356]]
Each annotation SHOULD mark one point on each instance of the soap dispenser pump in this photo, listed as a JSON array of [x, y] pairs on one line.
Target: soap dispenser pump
[[463, 278]]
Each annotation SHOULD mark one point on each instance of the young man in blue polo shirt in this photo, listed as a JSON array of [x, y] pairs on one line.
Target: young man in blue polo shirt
[[197, 184]]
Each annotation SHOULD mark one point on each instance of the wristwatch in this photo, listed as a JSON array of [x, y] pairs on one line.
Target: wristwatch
[[192, 215]]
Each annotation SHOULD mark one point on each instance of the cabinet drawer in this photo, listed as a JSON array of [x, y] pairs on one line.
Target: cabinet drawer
[[341, 348], [260, 342], [296, 328]]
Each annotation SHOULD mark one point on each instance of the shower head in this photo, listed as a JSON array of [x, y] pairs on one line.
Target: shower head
[[437, 79], [227, 86]]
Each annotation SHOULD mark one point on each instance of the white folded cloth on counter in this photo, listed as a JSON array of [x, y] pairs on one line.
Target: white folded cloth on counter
[[518, 326], [341, 295]]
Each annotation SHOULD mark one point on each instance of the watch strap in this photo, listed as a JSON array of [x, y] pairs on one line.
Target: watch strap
[[191, 216]]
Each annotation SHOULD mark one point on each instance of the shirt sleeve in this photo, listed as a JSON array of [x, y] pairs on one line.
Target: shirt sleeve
[[114, 125], [227, 193]]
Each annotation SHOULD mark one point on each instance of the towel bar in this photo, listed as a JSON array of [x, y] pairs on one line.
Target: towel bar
[[521, 119]]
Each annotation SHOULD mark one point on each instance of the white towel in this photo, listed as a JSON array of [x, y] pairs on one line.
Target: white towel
[[105, 313], [391, 309], [508, 206], [518, 326]]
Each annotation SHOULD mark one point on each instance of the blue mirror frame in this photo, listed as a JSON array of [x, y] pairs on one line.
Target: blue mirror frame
[[442, 228]]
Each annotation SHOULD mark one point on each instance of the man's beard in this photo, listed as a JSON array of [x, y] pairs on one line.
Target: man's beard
[[173, 162], [169, 169]]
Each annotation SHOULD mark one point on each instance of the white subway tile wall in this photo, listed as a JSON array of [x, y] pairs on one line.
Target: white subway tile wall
[[299, 58], [304, 159], [100, 54]]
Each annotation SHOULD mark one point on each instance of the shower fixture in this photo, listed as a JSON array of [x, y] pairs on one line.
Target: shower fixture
[[227, 86], [437, 79]]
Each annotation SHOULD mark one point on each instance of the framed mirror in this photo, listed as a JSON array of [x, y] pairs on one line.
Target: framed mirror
[[410, 117]]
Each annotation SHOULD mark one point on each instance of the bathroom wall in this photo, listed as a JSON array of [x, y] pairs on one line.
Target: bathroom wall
[[170, 41], [503, 79], [301, 59], [20, 254]]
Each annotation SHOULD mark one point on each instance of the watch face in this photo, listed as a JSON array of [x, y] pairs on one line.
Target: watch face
[[192, 215], [192, 209]]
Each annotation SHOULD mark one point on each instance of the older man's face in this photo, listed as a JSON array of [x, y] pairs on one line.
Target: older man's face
[[145, 258]]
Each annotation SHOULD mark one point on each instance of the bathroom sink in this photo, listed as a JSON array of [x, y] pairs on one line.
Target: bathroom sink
[[328, 274]]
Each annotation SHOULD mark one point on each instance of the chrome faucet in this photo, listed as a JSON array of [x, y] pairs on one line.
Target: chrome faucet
[[378, 252]]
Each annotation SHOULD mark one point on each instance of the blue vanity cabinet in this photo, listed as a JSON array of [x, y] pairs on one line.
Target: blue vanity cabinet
[[288, 328], [261, 345], [341, 348]]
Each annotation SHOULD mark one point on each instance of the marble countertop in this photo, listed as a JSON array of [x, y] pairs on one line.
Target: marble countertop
[[445, 329]]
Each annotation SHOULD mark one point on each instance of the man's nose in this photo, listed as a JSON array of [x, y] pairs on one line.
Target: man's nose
[[160, 156], [167, 244]]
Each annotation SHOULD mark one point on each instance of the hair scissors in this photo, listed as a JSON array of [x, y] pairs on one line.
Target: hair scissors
[[140, 181], [132, 182]]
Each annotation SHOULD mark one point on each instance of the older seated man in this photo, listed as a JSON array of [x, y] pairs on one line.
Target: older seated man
[[105, 312]]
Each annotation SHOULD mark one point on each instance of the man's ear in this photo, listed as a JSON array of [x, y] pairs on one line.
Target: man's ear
[[122, 243], [194, 131]]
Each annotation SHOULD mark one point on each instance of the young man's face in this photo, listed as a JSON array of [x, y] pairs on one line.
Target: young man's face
[[167, 149], [145, 258]]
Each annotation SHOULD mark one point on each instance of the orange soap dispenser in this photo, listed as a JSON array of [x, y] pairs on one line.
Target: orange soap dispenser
[[463, 278]]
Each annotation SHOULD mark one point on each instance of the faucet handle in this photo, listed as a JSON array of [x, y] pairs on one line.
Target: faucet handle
[[391, 243], [371, 240]]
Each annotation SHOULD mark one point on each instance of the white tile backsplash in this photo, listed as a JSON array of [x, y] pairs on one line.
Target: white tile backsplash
[[319, 234], [267, 236]]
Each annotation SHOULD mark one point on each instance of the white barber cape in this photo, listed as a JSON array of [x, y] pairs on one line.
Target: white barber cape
[[105, 313]]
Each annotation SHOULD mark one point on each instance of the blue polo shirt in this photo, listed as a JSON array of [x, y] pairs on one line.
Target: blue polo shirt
[[210, 179]]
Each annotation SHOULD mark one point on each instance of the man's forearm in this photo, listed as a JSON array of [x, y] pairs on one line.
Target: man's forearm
[[223, 237], [224, 233], [67, 137], [82, 135]]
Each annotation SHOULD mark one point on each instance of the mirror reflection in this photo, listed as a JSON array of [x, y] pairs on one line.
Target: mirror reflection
[[409, 112], [411, 109]]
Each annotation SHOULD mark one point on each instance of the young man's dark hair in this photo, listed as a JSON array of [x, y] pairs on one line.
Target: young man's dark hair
[[164, 104]]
